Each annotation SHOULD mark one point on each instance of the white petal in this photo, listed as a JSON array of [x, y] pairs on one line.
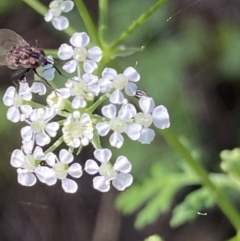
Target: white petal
[[26, 133], [26, 110], [132, 74], [90, 79], [147, 136], [67, 6], [8, 97], [161, 117], [122, 181], [78, 102], [52, 128], [65, 52], [13, 114], [105, 85], [130, 89], [76, 143], [38, 153], [48, 16], [65, 156], [131, 110], [103, 128], [17, 158], [146, 104], [42, 139], [50, 158], [91, 167], [26, 179], [79, 39], [94, 89], [49, 73], [85, 119], [27, 146], [46, 175], [101, 184], [95, 54], [75, 170], [109, 111], [116, 139], [103, 155], [122, 165], [69, 185], [134, 131], [117, 97], [89, 66], [64, 92], [60, 22], [38, 87], [109, 73], [49, 113], [70, 66]]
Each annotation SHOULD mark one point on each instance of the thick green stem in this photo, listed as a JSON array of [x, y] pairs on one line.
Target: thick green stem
[[226, 206], [87, 21], [103, 20], [137, 23], [41, 9]]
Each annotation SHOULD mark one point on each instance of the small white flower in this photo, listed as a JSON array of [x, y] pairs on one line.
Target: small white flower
[[60, 168], [125, 81], [83, 89], [54, 13], [16, 100], [158, 115], [120, 122], [117, 173], [57, 99], [26, 163], [79, 53], [39, 129], [77, 129]]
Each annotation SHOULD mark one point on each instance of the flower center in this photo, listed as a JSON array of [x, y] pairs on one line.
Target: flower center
[[17, 100], [61, 170], [55, 8], [29, 163], [76, 129], [80, 54], [120, 82], [38, 126], [117, 124], [144, 119], [107, 171]]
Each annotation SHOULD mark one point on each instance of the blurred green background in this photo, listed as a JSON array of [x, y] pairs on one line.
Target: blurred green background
[[191, 65]]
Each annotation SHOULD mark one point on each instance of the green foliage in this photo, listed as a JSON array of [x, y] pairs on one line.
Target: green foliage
[[155, 195], [231, 164], [154, 238], [191, 206]]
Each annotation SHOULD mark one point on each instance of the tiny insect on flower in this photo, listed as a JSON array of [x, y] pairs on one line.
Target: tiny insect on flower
[[16, 53]]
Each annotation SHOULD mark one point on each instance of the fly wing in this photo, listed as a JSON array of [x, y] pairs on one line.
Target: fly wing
[[9, 39]]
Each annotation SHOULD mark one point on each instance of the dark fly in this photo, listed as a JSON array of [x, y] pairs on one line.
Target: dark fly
[[16, 53]]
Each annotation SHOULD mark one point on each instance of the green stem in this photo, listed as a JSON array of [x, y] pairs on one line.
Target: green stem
[[96, 104], [87, 21], [137, 23], [226, 206], [42, 9], [103, 20], [55, 145]]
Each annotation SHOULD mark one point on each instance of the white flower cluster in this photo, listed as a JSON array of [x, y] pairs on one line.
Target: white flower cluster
[[56, 7], [69, 114]]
